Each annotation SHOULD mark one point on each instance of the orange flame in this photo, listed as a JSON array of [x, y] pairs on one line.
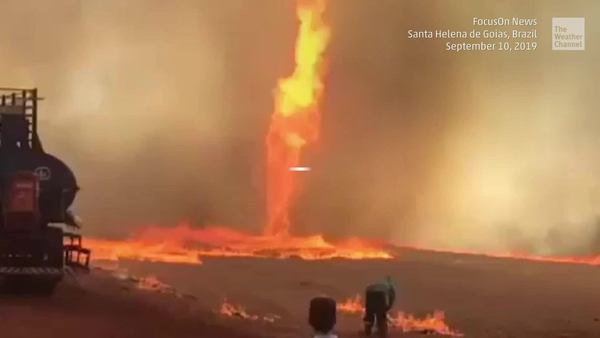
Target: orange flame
[[351, 305], [434, 323], [184, 244], [152, 283], [167, 250], [228, 309], [295, 120], [233, 310]]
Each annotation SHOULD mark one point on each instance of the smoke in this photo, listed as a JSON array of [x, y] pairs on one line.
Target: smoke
[[520, 171], [161, 109], [491, 152]]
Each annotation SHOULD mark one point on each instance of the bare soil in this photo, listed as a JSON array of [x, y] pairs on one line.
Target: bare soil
[[482, 297]]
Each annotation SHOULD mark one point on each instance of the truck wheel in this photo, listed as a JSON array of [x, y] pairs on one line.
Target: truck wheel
[[54, 247], [28, 285], [45, 287]]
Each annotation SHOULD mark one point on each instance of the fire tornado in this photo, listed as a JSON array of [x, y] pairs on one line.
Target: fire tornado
[[296, 117]]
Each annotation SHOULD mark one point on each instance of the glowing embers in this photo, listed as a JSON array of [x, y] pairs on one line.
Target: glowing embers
[[228, 309], [431, 323]]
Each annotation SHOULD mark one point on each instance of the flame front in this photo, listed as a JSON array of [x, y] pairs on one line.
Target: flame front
[[295, 120], [184, 244], [135, 249]]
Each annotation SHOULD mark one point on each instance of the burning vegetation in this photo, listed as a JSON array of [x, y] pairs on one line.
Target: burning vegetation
[[352, 305], [434, 323], [228, 309], [184, 244], [294, 127], [430, 324]]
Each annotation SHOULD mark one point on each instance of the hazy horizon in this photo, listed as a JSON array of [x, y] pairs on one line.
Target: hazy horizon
[[161, 109]]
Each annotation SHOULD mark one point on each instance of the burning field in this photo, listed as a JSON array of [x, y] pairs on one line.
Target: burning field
[[374, 158], [439, 294], [295, 127], [430, 324], [183, 244], [267, 279]]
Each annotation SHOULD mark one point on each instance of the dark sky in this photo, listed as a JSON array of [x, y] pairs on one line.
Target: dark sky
[[161, 109]]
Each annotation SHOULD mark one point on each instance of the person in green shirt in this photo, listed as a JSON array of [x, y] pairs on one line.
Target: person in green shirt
[[379, 299]]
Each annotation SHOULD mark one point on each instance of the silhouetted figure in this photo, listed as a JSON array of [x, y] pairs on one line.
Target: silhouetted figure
[[379, 299], [322, 316]]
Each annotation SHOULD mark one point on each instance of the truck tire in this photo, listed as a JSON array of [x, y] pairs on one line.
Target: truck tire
[[54, 247], [29, 285], [45, 287]]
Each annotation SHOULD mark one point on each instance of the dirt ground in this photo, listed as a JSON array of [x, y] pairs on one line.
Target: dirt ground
[[100, 306], [482, 297]]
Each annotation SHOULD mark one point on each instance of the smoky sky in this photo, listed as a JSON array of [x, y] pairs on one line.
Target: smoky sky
[[161, 108]]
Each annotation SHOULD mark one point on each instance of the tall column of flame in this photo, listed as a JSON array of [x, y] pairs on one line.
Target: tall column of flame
[[295, 120]]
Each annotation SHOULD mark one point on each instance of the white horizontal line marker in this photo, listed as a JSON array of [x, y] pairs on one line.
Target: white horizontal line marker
[[299, 168]]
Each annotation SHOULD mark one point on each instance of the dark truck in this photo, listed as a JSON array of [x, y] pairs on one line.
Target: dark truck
[[37, 230]]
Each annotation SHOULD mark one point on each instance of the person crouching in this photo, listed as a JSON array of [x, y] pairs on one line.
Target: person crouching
[[379, 299]]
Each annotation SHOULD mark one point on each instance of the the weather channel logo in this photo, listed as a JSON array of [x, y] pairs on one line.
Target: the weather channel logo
[[568, 33]]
